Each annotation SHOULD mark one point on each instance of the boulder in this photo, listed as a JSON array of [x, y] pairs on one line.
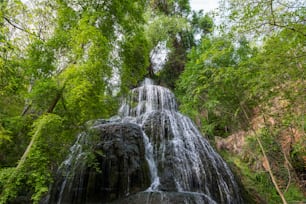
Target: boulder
[[116, 167]]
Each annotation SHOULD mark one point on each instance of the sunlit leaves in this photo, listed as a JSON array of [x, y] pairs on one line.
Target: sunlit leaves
[[35, 175], [162, 28], [58, 57], [4, 135], [201, 24], [135, 55], [216, 83], [171, 7], [43, 93], [39, 60], [259, 18]]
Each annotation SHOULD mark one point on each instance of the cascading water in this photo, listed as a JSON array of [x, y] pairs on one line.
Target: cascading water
[[180, 159], [183, 167]]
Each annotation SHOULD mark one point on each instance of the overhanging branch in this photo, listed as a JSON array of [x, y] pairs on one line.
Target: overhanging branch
[[19, 27]]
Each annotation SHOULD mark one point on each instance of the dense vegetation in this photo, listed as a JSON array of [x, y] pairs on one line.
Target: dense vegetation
[[247, 86], [63, 63]]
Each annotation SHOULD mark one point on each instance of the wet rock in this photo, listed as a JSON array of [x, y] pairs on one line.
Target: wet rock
[[117, 169], [150, 154], [157, 127], [166, 198]]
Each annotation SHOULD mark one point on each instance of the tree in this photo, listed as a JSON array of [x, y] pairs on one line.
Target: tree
[[165, 30], [231, 82], [216, 84], [171, 7], [135, 57], [171, 32], [264, 17], [65, 72]]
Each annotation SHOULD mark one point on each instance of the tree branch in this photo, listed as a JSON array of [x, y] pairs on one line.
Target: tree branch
[[19, 27], [274, 23], [280, 193], [272, 12], [287, 27]]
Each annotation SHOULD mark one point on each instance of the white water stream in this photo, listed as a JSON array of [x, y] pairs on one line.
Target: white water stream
[[195, 167], [180, 159]]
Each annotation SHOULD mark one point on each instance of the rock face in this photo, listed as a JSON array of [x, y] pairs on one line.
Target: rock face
[[233, 143], [113, 167], [150, 153], [158, 197]]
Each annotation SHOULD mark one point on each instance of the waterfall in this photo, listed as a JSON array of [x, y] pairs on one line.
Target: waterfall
[[183, 167], [195, 166]]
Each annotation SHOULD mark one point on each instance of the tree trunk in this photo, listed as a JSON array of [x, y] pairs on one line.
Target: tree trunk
[[266, 160], [55, 101], [50, 110], [270, 170]]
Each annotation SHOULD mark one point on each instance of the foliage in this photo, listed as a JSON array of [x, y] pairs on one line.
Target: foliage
[[173, 31], [202, 24], [4, 134], [39, 60], [135, 56], [171, 7], [63, 62], [257, 181], [264, 17], [216, 83], [171, 35], [56, 72], [15, 128], [231, 83], [43, 93], [34, 175]]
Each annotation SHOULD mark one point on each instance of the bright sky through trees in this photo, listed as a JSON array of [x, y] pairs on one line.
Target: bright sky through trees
[[206, 5]]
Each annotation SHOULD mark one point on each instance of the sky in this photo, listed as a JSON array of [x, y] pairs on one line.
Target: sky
[[206, 5]]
